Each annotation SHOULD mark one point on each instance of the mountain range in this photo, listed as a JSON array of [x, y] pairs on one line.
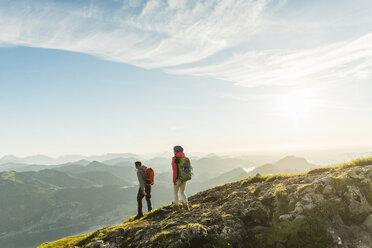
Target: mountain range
[[328, 207], [62, 200]]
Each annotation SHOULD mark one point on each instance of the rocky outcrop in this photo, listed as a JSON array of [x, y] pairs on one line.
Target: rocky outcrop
[[329, 207]]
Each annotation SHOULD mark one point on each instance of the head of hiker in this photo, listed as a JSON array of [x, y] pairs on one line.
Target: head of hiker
[[177, 149], [137, 164]]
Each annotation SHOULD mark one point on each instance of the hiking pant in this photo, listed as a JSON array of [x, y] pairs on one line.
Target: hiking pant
[[180, 186], [148, 198]]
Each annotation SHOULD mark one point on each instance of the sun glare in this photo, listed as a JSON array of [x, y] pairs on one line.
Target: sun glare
[[296, 105]]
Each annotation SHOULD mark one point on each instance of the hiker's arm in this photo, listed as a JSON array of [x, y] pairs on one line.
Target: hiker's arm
[[174, 167], [141, 181]]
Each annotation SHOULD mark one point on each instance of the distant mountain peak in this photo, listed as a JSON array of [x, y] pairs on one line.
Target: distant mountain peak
[[96, 163], [291, 159], [9, 156]]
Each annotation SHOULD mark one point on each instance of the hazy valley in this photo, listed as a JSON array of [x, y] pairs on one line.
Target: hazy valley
[[48, 202]]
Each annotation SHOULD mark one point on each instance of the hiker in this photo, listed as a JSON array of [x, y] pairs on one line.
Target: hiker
[[179, 182], [144, 188]]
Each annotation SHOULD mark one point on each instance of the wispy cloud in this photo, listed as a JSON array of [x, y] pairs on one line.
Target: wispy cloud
[[151, 34], [338, 62], [175, 34]]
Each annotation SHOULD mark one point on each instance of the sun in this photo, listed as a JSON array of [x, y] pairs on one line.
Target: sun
[[296, 105]]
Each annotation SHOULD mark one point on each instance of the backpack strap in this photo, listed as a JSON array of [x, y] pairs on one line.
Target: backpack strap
[[177, 161]]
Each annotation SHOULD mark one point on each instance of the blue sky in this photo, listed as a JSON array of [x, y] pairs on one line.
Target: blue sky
[[90, 77]]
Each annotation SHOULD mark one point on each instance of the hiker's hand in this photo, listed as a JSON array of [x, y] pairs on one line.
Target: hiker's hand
[[144, 193]]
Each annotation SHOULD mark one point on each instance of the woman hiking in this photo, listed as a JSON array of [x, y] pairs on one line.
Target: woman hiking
[[179, 184]]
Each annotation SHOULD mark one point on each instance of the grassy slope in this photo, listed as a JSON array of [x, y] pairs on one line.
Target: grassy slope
[[165, 218]]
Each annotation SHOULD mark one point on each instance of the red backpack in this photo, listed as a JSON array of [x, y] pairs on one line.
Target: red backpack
[[150, 175]]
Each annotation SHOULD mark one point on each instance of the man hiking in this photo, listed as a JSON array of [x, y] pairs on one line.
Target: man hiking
[[144, 188], [179, 182]]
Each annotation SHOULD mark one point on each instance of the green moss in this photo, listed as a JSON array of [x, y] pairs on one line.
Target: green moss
[[182, 226], [281, 195], [155, 212], [160, 237], [139, 232], [258, 216], [292, 205], [341, 186], [356, 219], [321, 170], [251, 180], [303, 187], [169, 224], [368, 196], [66, 242], [365, 189], [341, 183], [328, 210], [256, 191], [282, 176], [195, 206], [356, 162], [206, 220], [300, 233], [87, 239], [353, 163]]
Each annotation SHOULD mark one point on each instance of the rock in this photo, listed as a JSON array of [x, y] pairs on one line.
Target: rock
[[257, 229], [299, 217], [317, 198], [101, 244], [195, 231], [299, 208], [308, 190], [308, 179], [97, 244], [328, 190], [368, 223], [115, 236], [336, 238], [352, 174], [292, 187], [323, 180], [335, 199], [256, 213], [306, 199], [369, 173], [176, 244], [309, 206], [357, 203], [367, 182], [268, 199], [285, 217], [226, 231]]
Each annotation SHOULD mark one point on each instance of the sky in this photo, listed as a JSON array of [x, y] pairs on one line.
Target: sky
[[92, 77]]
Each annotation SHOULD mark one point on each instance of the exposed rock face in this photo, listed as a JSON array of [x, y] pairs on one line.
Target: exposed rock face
[[323, 208]]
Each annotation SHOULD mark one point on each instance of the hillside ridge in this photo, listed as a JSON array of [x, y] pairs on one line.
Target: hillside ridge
[[325, 207]]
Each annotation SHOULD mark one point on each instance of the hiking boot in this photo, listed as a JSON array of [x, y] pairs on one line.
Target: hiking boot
[[138, 216], [186, 206]]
